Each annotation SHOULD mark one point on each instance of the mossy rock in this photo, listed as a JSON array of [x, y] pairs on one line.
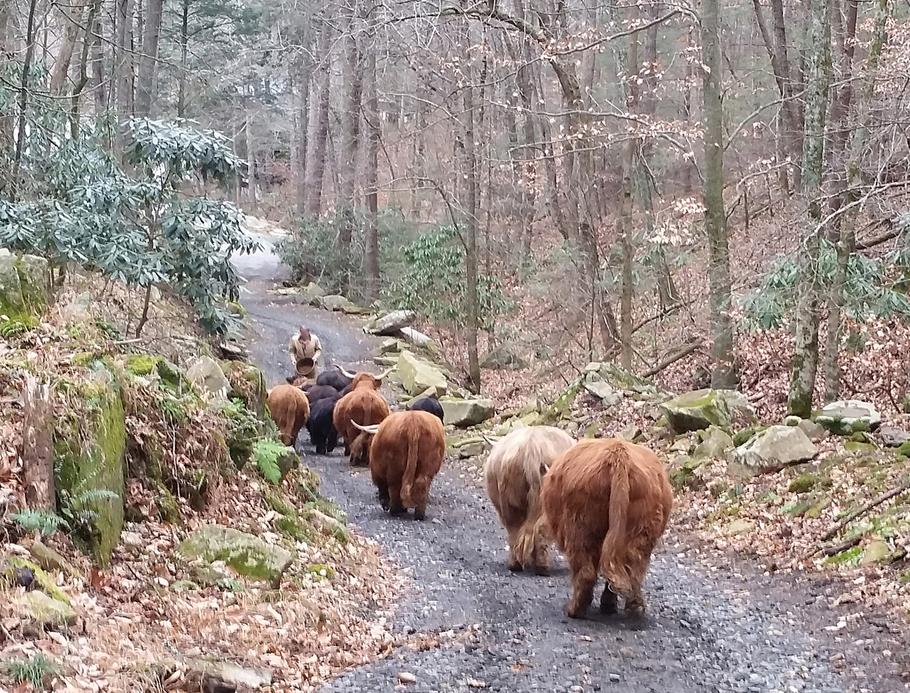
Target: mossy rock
[[744, 435], [857, 447], [10, 564], [683, 472], [24, 293], [248, 556], [321, 570], [168, 505], [153, 366], [697, 410], [248, 385], [45, 611], [803, 483], [49, 559], [89, 464], [904, 449]]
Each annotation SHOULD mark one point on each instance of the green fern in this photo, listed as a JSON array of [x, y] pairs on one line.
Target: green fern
[[74, 507], [267, 452], [39, 521], [33, 670]]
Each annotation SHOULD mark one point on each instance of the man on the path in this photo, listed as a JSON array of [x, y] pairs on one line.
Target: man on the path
[[305, 349]]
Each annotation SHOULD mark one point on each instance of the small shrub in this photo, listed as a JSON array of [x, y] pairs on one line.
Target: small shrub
[[267, 452], [39, 521], [803, 483], [35, 670]]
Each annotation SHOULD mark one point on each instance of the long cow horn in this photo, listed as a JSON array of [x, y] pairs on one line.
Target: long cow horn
[[366, 429], [383, 375], [491, 441], [347, 374]]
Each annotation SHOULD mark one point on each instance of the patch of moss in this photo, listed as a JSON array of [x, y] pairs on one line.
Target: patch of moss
[[857, 447], [294, 528], [141, 364], [850, 557], [9, 564], [803, 483], [168, 507], [321, 570], [744, 435], [17, 326]]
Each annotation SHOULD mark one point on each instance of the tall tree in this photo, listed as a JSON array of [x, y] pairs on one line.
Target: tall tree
[[723, 371], [818, 77], [147, 76], [371, 177]]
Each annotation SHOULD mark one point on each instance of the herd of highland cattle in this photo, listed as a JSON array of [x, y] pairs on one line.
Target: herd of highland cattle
[[604, 502]]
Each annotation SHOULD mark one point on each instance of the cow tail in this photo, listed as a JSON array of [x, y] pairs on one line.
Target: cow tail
[[613, 553], [534, 526], [410, 469]]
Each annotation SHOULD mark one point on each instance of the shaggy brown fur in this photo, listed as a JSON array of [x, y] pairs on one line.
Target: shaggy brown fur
[[364, 405], [514, 472], [405, 454], [607, 503], [290, 409]]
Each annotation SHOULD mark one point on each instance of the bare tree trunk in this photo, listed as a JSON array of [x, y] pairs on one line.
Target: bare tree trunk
[[316, 166], [184, 51], [70, 18], [98, 80], [23, 97], [303, 119], [38, 445], [371, 181], [147, 82], [805, 356], [723, 371], [83, 78], [122, 72], [251, 159], [350, 139], [846, 241]]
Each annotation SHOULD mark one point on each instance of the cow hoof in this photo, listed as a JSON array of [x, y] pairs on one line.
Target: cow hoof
[[397, 511], [542, 570], [573, 612], [420, 515], [514, 566]]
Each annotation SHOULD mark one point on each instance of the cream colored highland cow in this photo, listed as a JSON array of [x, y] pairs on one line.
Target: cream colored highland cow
[[514, 473]]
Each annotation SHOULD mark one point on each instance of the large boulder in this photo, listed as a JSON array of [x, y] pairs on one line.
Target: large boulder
[[390, 323], [207, 375], [248, 556], [466, 412], [337, 302], [771, 450], [312, 294], [605, 392], [89, 463], [846, 417], [23, 286], [893, 437], [699, 409], [504, 357], [418, 375]]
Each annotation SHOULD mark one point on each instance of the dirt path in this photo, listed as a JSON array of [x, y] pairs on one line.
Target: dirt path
[[728, 629]]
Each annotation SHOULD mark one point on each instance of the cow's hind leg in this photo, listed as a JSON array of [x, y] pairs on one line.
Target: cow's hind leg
[[382, 492], [608, 600], [541, 557], [395, 505], [514, 562], [584, 577]]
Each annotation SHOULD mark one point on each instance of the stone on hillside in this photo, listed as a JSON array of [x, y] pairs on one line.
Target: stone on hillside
[[89, 463], [419, 339], [792, 420], [876, 551], [466, 412], [78, 308], [337, 302], [418, 375], [311, 294], [430, 392], [771, 450], [49, 559], [848, 416], [631, 433], [740, 526], [619, 378], [893, 437], [696, 410], [474, 449], [23, 286], [603, 390], [504, 357], [247, 555], [10, 566], [390, 323], [247, 383], [45, 611], [390, 346], [391, 360], [715, 442], [813, 430], [207, 375]]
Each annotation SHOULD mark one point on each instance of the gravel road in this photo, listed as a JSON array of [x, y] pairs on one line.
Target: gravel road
[[727, 628]]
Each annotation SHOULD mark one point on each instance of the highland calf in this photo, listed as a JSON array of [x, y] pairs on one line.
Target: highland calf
[[364, 405], [406, 452], [322, 430], [318, 392], [607, 503], [290, 409], [514, 472], [336, 377], [428, 404]]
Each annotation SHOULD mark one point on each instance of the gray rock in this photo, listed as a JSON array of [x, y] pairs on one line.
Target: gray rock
[[418, 375], [23, 286], [893, 437], [466, 412], [715, 443], [337, 302], [311, 294], [698, 410], [771, 450], [813, 430], [846, 417], [390, 323], [247, 555], [207, 375], [604, 391], [504, 357]]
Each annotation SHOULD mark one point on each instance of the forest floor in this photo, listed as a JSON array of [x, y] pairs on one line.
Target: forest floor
[[716, 622]]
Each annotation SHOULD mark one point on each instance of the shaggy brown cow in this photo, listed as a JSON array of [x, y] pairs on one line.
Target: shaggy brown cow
[[514, 472], [406, 452], [607, 503], [364, 405], [290, 409]]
